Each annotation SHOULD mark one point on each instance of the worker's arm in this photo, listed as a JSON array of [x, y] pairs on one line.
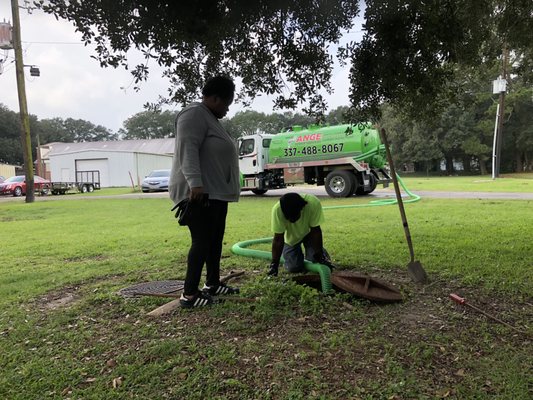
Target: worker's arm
[[277, 248], [320, 256], [315, 237]]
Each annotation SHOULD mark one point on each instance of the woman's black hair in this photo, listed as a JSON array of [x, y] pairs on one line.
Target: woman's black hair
[[220, 85]]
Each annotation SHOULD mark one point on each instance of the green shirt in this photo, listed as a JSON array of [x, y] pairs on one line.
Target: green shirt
[[310, 217]]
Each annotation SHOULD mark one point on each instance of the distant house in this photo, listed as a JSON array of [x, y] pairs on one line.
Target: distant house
[[118, 162]]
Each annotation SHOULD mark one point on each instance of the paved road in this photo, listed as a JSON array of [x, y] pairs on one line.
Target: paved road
[[317, 191]]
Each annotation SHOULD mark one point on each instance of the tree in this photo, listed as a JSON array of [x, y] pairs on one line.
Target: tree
[[410, 49], [149, 125], [274, 47], [406, 57], [72, 130], [250, 122]]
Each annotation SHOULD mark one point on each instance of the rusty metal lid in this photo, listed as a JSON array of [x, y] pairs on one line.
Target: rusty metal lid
[[356, 283]]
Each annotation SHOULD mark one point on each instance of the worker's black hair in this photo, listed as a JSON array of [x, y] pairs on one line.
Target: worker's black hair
[[220, 86], [292, 205]]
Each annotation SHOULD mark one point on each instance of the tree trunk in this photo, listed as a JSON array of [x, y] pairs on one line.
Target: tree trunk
[[519, 162], [466, 164], [449, 165], [483, 167]]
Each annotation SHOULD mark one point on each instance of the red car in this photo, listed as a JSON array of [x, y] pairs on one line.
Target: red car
[[16, 185]]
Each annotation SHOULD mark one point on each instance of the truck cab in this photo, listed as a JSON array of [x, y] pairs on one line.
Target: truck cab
[[253, 153], [253, 157]]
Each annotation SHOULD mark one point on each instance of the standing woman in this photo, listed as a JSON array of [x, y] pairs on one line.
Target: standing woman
[[205, 169]]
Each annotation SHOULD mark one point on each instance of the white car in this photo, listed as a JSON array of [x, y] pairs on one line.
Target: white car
[[157, 181]]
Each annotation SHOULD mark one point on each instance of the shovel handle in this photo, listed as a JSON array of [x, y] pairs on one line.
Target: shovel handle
[[383, 135]]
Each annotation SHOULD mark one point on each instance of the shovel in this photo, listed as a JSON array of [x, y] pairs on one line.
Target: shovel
[[414, 268]]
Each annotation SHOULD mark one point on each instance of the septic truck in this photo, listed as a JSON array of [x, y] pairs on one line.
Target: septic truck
[[347, 159]]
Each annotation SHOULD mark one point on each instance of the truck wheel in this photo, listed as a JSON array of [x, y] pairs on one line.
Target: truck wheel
[[90, 188], [17, 192], [259, 192], [340, 183], [83, 189]]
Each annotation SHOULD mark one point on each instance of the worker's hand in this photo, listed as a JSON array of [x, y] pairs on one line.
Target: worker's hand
[[323, 258], [273, 269]]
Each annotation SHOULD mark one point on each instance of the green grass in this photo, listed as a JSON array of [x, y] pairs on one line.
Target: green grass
[[292, 343], [520, 183]]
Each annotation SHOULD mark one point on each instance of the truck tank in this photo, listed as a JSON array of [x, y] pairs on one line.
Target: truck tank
[[328, 142]]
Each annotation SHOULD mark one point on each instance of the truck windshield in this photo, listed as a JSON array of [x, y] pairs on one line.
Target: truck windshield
[[246, 146]]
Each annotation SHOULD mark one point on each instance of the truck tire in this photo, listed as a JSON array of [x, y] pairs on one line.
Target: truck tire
[[90, 188], [340, 183], [83, 189], [259, 192]]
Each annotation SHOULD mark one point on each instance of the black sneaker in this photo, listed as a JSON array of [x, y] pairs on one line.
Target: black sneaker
[[220, 289], [199, 300]]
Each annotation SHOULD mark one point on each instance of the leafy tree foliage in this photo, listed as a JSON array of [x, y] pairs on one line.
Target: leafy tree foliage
[[149, 125], [463, 131], [48, 130], [10, 145], [250, 122], [270, 45], [410, 49], [407, 56], [72, 130]]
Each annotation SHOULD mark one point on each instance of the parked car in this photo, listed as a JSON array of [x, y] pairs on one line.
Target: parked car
[[157, 181], [16, 185]]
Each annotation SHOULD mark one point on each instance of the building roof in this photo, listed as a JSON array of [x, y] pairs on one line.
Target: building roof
[[149, 146]]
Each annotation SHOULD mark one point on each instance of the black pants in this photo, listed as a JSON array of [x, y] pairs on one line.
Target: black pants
[[207, 232]]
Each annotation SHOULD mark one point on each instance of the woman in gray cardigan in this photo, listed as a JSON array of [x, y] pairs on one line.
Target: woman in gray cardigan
[[205, 170]]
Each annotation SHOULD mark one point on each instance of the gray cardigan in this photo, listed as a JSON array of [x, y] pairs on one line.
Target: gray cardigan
[[205, 155]]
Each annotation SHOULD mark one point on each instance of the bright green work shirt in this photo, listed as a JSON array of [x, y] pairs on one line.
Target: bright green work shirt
[[311, 216]]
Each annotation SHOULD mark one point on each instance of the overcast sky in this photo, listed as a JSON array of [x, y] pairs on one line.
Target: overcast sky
[[73, 85]]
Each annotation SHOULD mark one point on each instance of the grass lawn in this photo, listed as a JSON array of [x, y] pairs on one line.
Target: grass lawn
[[66, 333], [520, 183]]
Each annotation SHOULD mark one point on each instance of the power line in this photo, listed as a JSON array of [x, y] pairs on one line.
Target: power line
[[70, 43]]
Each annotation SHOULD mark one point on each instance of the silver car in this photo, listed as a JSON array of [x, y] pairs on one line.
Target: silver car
[[157, 181]]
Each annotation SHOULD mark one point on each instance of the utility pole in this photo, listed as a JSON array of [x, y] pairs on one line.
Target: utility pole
[[500, 115], [24, 117]]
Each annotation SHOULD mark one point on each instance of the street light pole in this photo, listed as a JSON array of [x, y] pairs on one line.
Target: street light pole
[[499, 117], [24, 117]]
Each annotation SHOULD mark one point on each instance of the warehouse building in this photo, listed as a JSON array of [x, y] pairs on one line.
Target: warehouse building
[[119, 163]]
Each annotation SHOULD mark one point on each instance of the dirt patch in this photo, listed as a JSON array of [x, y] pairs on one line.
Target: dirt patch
[[62, 298], [68, 295]]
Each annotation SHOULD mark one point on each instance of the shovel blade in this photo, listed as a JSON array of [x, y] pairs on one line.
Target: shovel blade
[[416, 272]]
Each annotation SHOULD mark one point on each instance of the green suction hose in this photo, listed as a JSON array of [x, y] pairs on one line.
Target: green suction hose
[[322, 270]]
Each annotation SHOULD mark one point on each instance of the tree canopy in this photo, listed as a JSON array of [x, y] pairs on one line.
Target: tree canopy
[[149, 125], [270, 45], [283, 48]]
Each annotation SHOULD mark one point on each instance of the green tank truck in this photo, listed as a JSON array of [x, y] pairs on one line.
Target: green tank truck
[[347, 159]]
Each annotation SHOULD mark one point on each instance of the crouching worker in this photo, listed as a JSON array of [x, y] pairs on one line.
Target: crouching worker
[[296, 221]]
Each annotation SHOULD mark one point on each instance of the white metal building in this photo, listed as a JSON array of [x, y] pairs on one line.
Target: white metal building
[[120, 163]]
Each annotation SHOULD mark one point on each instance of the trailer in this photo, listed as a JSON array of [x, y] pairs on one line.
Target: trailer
[[86, 182]]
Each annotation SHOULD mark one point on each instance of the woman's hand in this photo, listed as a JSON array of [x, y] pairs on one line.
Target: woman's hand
[[197, 194]]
